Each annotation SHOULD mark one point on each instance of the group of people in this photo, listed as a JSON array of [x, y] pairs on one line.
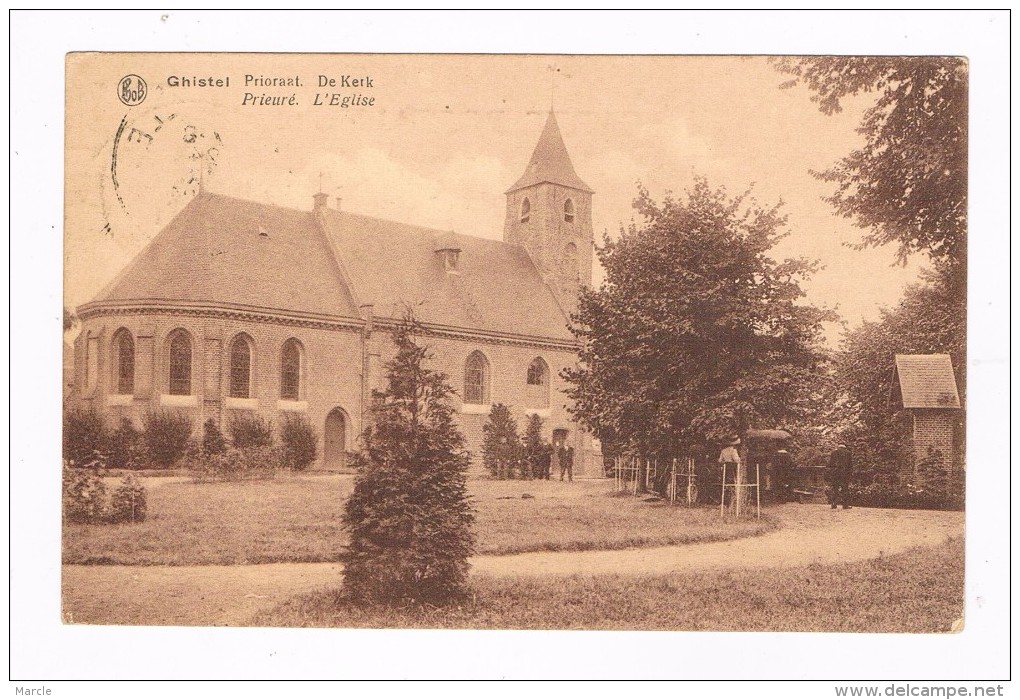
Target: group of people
[[778, 472], [556, 455]]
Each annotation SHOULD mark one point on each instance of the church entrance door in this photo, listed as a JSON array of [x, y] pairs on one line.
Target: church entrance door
[[334, 451]]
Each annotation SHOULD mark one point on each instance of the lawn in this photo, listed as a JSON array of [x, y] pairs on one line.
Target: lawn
[[297, 519], [919, 591]]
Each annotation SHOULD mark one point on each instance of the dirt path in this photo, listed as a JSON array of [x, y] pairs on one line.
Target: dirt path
[[231, 595]]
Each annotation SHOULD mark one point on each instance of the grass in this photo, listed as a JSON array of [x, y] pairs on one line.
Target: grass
[[920, 591], [297, 519]]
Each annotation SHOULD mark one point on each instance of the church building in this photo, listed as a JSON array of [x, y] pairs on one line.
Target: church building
[[240, 306]]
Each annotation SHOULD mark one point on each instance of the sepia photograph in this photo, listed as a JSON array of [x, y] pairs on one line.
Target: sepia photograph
[[463, 341], [530, 363]]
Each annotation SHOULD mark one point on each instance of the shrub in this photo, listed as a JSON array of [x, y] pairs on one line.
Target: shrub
[[300, 442], [882, 494], [501, 446], [84, 495], [167, 434], [250, 430], [127, 504], [213, 442], [408, 517], [84, 434], [254, 463], [126, 447]]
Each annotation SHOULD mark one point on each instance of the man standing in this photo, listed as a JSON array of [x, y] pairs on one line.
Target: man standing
[[840, 466], [545, 461], [566, 458], [732, 465]]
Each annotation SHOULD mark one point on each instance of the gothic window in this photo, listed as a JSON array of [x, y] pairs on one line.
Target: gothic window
[[476, 379], [179, 344], [537, 391], [124, 361], [240, 367], [537, 372], [568, 211], [525, 211], [291, 361]]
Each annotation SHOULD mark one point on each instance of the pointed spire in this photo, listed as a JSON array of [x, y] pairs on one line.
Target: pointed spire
[[550, 161]]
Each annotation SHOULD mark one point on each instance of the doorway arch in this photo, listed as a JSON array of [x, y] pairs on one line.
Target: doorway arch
[[334, 443]]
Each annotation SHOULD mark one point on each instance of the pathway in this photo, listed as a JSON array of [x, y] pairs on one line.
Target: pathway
[[231, 595]]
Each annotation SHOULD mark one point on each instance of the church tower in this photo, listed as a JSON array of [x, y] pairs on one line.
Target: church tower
[[548, 212]]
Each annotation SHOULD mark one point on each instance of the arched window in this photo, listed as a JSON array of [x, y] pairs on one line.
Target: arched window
[[179, 345], [537, 391], [568, 211], [291, 361], [476, 379], [525, 211], [538, 372], [124, 361], [240, 367]]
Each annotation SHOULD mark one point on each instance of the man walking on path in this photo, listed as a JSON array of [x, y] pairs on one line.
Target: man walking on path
[[840, 466]]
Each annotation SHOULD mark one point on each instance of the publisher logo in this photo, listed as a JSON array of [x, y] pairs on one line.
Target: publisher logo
[[132, 90]]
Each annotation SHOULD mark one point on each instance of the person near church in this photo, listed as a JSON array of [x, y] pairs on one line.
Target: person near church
[[545, 463], [566, 460], [840, 468]]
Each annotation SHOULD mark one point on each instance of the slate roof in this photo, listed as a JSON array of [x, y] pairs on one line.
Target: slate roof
[[550, 161], [224, 250], [214, 251], [926, 381]]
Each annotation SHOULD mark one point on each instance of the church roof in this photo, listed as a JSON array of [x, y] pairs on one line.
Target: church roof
[[495, 287], [926, 381], [225, 250], [550, 161]]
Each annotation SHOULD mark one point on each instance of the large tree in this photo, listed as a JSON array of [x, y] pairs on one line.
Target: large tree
[[696, 332], [409, 516], [907, 184]]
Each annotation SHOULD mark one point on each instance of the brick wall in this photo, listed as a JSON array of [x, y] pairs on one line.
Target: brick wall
[[331, 377], [933, 430]]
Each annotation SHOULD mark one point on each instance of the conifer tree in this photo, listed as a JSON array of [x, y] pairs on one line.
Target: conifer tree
[[409, 517], [501, 445], [534, 446]]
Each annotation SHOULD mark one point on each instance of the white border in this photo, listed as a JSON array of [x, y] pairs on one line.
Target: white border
[[42, 648]]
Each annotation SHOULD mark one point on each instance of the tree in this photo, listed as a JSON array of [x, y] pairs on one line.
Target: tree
[[409, 517], [535, 448], [908, 184], [696, 332], [501, 445]]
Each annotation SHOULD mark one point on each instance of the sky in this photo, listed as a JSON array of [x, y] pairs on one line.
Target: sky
[[443, 139]]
